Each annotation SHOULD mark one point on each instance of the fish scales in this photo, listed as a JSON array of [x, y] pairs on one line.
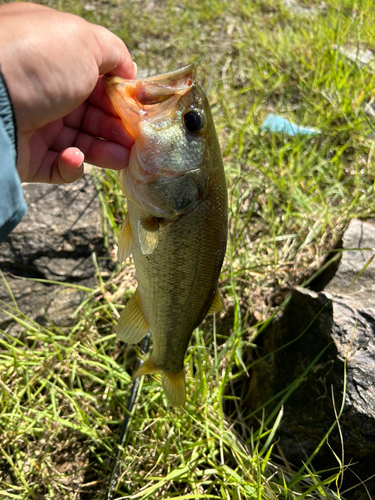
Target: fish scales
[[176, 226], [193, 282]]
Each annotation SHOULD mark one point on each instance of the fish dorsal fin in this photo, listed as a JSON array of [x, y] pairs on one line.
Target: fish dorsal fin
[[125, 240], [174, 387], [132, 325], [148, 235], [217, 304]]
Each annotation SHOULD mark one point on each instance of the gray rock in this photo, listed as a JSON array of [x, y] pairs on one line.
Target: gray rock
[[360, 55], [54, 241], [321, 330], [300, 10], [354, 281]]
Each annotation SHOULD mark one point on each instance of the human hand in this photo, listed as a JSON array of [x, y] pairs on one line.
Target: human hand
[[51, 62]]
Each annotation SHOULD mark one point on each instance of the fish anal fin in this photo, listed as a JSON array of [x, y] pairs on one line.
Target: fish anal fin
[[132, 325], [173, 383], [148, 239], [125, 240], [217, 304], [174, 387], [146, 368]]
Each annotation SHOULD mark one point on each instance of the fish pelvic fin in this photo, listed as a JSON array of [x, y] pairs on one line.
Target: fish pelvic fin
[[132, 325], [217, 304], [174, 387], [125, 240], [148, 235]]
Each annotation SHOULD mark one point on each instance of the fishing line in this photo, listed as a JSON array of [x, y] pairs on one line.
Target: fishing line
[[133, 395]]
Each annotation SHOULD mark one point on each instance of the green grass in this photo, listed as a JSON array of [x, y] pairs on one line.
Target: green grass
[[63, 396]]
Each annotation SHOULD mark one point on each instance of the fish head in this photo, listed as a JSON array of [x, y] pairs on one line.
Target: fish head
[[170, 120]]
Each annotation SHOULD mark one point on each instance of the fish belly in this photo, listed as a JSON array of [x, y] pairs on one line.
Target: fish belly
[[177, 282]]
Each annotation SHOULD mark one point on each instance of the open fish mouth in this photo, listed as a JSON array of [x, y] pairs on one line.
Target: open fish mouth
[[132, 99]]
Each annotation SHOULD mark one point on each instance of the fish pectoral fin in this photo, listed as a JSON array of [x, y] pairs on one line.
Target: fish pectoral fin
[[174, 387], [150, 224], [217, 304], [148, 235], [132, 325], [125, 240]]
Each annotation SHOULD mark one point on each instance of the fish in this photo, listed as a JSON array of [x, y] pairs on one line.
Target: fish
[[177, 217]]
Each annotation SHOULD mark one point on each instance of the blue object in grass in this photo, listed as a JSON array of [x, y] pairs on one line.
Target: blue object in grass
[[274, 123]]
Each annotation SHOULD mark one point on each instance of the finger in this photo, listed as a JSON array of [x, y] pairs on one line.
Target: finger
[[58, 168], [113, 57], [103, 154], [96, 122], [64, 167], [100, 99], [70, 164], [39, 143], [99, 152]]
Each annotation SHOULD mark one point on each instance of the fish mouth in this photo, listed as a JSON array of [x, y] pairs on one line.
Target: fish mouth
[[134, 99], [156, 89]]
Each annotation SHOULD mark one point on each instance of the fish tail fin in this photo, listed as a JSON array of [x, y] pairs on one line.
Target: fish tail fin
[[174, 387]]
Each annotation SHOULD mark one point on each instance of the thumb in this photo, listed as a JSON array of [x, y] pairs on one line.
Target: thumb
[[68, 166]]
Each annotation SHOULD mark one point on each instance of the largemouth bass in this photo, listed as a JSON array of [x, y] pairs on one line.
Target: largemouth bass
[[176, 224]]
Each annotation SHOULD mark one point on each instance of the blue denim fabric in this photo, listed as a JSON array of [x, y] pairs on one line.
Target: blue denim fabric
[[12, 204]]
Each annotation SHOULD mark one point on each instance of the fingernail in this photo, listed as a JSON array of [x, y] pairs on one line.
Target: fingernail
[[81, 169], [78, 152], [135, 69]]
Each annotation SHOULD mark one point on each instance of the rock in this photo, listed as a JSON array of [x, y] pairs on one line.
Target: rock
[[308, 342], [54, 241], [352, 281], [300, 10], [361, 55]]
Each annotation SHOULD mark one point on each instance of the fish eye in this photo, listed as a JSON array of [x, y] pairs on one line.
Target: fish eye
[[193, 121]]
